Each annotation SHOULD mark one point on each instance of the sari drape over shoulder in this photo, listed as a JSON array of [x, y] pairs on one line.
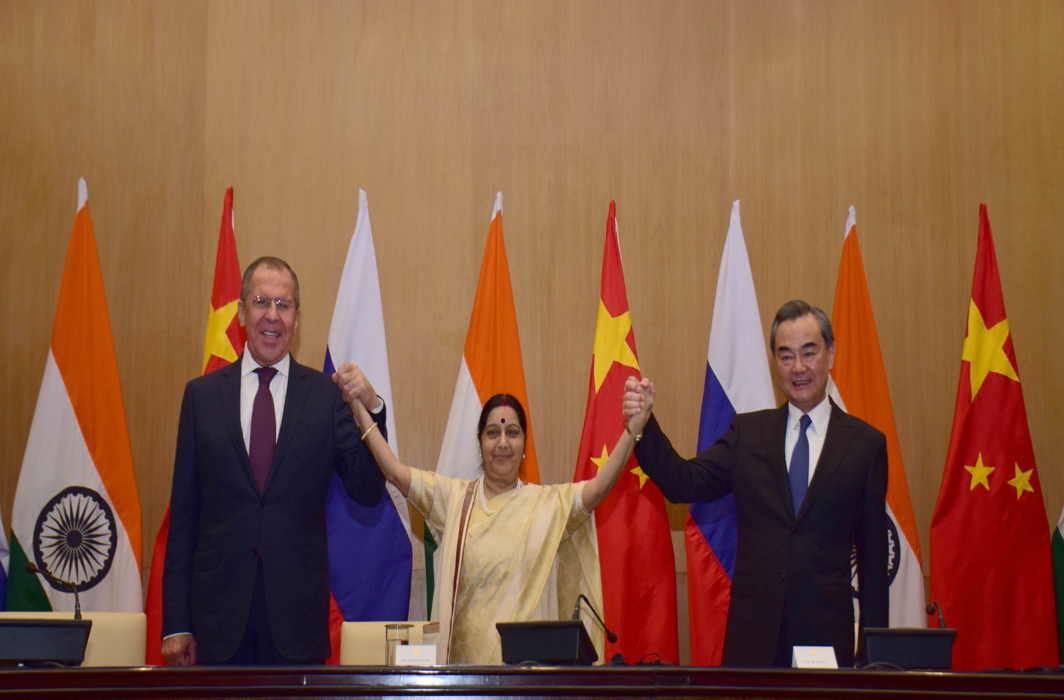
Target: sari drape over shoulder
[[524, 555]]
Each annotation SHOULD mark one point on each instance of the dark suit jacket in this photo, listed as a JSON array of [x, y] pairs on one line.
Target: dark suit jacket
[[221, 527], [791, 572]]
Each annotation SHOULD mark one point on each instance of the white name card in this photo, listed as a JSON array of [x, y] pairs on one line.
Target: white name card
[[814, 657], [415, 655]]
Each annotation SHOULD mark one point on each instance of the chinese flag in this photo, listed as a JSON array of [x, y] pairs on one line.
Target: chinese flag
[[635, 546], [222, 345], [990, 555]]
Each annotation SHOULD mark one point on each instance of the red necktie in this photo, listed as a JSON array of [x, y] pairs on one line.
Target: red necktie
[[263, 428]]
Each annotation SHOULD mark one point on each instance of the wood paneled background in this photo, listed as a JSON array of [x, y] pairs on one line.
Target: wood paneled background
[[913, 111]]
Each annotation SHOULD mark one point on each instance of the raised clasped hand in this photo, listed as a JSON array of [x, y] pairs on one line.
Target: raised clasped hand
[[354, 386], [638, 403]]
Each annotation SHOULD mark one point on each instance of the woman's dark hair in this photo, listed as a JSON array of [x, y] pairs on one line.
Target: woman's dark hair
[[502, 400]]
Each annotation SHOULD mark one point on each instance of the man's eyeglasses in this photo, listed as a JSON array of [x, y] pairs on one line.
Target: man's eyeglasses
[[264, 303]]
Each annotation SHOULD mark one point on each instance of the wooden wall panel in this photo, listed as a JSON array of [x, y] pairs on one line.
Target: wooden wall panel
[[912, 111], [112, 92]]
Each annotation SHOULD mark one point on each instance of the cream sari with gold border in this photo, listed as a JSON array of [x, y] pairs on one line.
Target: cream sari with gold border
[[524, 555]]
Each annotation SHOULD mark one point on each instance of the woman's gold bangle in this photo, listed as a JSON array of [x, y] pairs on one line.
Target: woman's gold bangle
[[368, 431], [628, 430]]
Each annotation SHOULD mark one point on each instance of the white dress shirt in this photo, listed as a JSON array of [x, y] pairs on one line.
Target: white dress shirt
[[249, 386], [820, 416]]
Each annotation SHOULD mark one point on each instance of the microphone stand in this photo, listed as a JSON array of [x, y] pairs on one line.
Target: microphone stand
[[34, 569], [576, 616], [934, 607]]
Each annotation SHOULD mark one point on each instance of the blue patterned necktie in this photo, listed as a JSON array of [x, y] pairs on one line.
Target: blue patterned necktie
[[800, 465]]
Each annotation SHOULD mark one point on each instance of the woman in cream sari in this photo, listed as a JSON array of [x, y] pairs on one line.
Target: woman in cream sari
[[511, 551]]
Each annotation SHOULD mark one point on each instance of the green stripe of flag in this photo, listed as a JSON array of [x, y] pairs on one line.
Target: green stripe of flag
[[24, 591]]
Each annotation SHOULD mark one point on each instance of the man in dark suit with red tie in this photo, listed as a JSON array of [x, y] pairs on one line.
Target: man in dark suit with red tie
[[246, 578], [810, 487]]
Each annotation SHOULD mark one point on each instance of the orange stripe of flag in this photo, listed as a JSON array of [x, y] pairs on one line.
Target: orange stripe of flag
[[85, 355], [860, 373], [493, 346]]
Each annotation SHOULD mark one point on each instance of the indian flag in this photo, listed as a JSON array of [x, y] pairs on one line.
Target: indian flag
[[859, 387], [491, 364], [76, 517]]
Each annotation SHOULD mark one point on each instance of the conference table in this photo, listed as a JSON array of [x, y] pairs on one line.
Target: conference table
[[520, 681]]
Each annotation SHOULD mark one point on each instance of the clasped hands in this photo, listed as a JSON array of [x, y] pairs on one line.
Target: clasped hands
[[354, 386], [637, 404]]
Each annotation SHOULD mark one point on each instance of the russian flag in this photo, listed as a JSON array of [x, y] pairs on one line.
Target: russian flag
[[370, 555], [737, 381]]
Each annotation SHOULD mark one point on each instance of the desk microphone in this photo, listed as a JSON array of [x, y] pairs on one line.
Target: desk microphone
[[576, 616], [33, 569], [934, 607]]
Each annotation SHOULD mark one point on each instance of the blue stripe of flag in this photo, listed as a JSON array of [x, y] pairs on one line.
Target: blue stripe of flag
[[369, 553], [716, 519]]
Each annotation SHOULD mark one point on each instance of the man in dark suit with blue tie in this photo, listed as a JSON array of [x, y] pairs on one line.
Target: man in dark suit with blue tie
[[246, 578], [810, 487]]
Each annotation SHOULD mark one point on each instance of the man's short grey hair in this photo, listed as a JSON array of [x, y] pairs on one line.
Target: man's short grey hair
[[272, 263], [795, 309]]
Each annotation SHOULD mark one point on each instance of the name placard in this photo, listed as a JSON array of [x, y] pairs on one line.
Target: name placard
[[415, 655], [814, 657]]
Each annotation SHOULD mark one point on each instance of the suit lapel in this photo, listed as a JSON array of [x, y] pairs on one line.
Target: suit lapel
[[295, 397], [230, 403], [778, 458]]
